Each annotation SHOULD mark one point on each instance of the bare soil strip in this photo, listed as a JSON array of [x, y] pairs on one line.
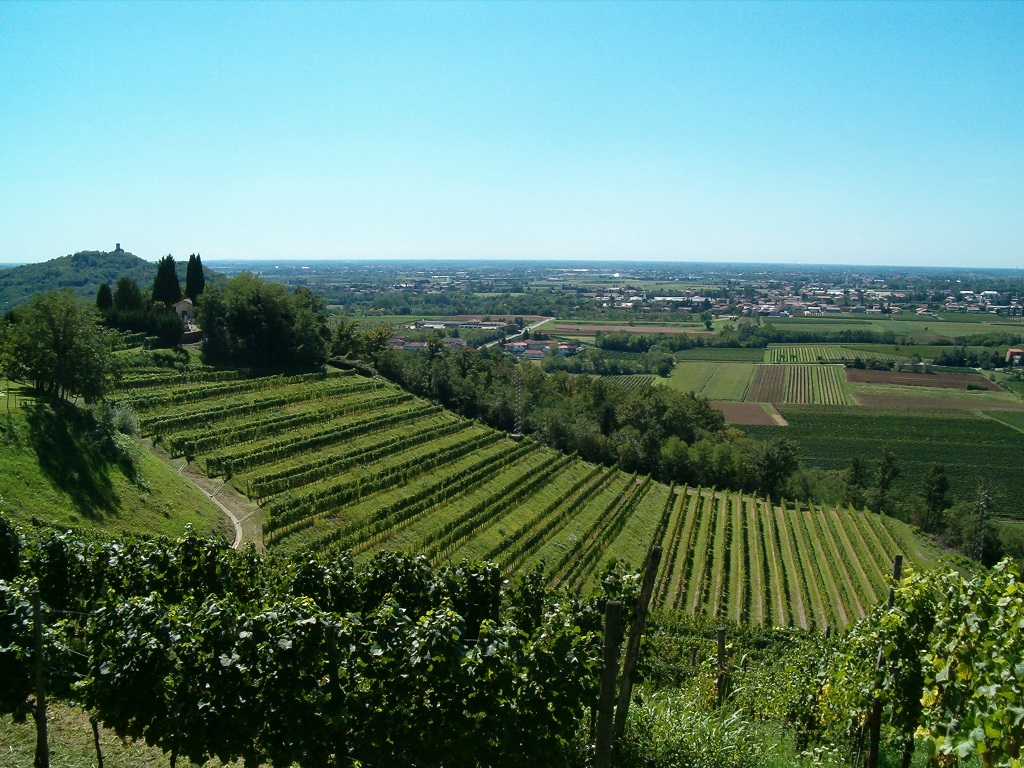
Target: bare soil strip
[[899, 401], [943, 380]]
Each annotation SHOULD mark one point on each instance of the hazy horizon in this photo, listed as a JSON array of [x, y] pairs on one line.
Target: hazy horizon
[[861, 134]]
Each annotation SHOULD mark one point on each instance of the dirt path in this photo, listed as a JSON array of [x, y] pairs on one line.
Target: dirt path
[[245, 515], [774, 413]]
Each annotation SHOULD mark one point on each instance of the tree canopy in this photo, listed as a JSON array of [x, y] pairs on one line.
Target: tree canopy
[[673, 436], [56, 344], [195, 280], [104, 298], [249, 322], [166, 287]]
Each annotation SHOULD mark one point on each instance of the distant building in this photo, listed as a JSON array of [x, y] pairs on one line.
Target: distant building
[[1015, 356], [185, 310]]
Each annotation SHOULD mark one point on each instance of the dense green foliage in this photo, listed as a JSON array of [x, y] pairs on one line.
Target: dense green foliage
[[209, 652], [745, 335], [83, 273], [950, 671], [252, 323], [56, 344], [598, 362], [166, 288], [195, 279], [104, 298], [973, 449], [671, 435]]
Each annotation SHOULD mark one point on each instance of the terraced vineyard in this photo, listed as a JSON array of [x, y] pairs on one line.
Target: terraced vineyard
[[341, 462], [735, 556]]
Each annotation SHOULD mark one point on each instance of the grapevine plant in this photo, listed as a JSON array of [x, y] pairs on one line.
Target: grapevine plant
[[207, 652]]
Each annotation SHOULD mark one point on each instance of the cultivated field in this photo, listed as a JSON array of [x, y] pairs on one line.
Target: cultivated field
[[827, 353], [816, 384], [972, 447], [736, 556], [744, 413], [800, 384], [633, 381], [802, 353], [340, 462], [715, 381], [941, 380], [721, 354], [1013, 419], [769, 384]]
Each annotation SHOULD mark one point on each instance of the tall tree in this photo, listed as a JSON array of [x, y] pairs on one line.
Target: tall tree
[[249, 322], [57, 345], [104, 298], [887, 471], [166, 287], [127, 296], [195, 280]]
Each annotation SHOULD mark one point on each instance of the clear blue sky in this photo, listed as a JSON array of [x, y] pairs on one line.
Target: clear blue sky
[[877, 133]]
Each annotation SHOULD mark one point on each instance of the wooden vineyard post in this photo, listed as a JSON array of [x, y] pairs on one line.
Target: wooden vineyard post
[[609, 674], [874, 723], [720, 698], [633, 645], [39, 715]]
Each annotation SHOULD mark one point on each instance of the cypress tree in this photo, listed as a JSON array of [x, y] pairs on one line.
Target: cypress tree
[[166, 287], [195, 280], [104, 298]]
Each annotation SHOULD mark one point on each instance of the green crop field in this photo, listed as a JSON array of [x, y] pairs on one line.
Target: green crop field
[[829, 353], [1014, 419], [802, 353], [340, 462], [721, 354], [715, 381], [816, 384], [728, 382], [972, 447], [691, 377]]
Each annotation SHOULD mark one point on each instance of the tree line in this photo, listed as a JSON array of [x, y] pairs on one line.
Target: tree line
[[673, 436]]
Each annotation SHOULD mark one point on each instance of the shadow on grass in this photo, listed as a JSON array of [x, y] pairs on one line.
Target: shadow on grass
[[74, 453]]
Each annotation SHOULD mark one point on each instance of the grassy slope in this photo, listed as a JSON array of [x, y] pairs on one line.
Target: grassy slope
[[71, 744], [53, 470]]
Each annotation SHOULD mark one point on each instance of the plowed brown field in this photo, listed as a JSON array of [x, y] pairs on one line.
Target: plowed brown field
[[900, 401], [944, 380], [768, 384], [744, 413]]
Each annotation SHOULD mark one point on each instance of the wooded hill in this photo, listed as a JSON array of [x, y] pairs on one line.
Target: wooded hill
[[83, 272]]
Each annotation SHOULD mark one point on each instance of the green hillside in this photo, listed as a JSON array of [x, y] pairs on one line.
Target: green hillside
[[61, 467], [83, 272], [344, 463]]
